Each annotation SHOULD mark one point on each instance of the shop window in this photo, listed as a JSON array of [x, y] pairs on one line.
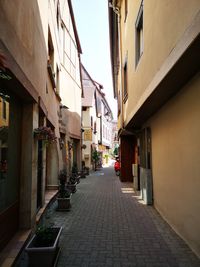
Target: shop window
[[4, 127], [10, 136]]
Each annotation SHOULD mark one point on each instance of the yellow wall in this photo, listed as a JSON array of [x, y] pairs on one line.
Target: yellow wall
[[175, 128], [176, 162], [164, 23]]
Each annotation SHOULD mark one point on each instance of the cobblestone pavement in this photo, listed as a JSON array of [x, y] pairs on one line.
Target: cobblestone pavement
[[109, 226]]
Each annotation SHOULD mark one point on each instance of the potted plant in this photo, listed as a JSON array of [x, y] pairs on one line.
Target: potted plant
[[82, 173], [43, 247], [64, 194], [87, 170], [75, 168], [71, 185], [95, 157], [75, 173]]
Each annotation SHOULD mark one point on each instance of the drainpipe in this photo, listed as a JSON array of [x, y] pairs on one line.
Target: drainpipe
[[116, 10], [121, 73]]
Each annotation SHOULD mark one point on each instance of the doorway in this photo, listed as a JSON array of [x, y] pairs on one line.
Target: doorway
[[146, 180]]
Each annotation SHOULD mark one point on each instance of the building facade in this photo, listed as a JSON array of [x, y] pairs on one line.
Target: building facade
[[96, 122], [104, 125], [70, 85], [155, 66], [32, 82]]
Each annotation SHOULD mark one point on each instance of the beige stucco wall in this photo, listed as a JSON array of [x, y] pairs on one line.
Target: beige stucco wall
[[164, 24], [27, 49], [26, 38], [176, 162], [86, 123]]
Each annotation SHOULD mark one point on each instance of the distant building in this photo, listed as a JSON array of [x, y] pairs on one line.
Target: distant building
[[96, 121], [114, 137]]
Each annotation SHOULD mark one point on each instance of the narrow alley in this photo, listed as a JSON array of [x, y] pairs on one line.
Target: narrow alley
[[109, 226], [83, 83]]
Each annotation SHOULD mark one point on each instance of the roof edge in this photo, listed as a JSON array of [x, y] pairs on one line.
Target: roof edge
[[74, 26]]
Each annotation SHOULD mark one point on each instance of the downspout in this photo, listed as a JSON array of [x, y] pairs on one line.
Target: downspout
[[81, 131], [116, 10], [121, 72]]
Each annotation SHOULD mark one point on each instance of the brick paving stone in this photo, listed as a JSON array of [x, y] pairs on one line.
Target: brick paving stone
[[106, 227], [109, 228]]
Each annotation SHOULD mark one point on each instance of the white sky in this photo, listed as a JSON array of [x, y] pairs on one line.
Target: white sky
[[91, 18]]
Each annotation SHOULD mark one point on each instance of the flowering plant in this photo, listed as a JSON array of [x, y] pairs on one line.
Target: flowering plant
[[45, 133]]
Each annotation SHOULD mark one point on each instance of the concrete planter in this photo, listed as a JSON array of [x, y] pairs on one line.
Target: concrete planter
[[43, 256], [64, 204]]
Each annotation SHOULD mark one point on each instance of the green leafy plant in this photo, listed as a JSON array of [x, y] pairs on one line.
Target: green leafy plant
[[63, 191], [116, 151], [74, 168], [45, 236], [95, 157]]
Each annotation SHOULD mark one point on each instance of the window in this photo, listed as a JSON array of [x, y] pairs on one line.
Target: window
[[57, 80], [125, 10], [50, 51], [58, 14], [125, 83], [119, 103], [50, 63], [139, 39], [95, 128], [62, 41], [91, 122]]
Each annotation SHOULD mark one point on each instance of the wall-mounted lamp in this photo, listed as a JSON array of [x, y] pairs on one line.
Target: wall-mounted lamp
[[83, 146]]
